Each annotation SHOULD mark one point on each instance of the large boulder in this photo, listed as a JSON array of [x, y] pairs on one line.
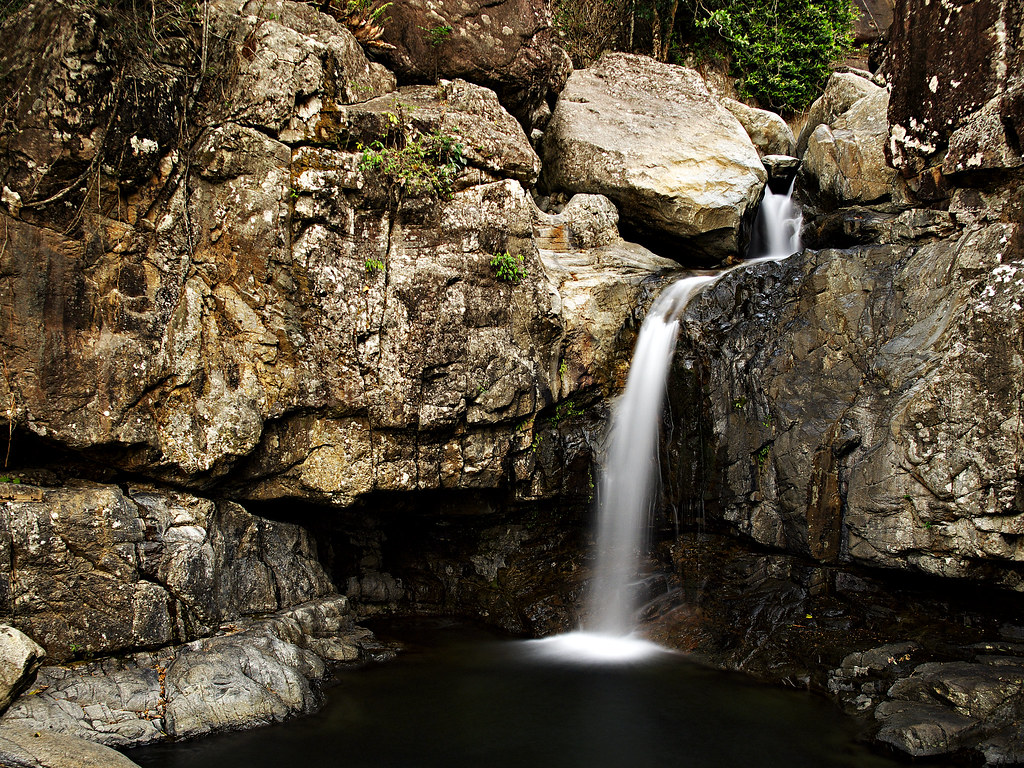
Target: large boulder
[[770, 134], [651, 137], [957, 86], [846, 159], [506, 46]]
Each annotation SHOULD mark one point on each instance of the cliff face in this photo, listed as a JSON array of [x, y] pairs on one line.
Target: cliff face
[[865, 395], [249, 271]]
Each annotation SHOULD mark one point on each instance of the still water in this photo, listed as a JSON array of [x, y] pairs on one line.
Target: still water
[[459, 696]]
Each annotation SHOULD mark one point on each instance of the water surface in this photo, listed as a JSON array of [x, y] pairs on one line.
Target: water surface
[[459, 696]]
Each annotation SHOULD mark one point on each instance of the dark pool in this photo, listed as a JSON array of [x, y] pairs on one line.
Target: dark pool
[[458, 696]]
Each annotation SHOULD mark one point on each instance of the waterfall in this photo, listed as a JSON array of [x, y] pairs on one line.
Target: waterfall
[[776, 232], [629, 478]]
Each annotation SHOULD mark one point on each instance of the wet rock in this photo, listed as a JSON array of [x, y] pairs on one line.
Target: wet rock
[[254, 672], [885, 394], [770, 134], [923, 729], [20, 657], [22, 747], [781, 169], [984, 692], [614, 133]]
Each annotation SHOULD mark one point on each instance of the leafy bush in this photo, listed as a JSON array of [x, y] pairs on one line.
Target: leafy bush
[[413, 162], [509, 268], [781, 51]]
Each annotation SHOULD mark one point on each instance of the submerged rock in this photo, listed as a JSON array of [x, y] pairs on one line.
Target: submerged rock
[[651, 137]]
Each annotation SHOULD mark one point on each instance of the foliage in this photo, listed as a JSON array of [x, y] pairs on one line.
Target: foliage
[[437, 35], [373, 266], [509, 268], [782, 50], [365, 19], [413, 162]]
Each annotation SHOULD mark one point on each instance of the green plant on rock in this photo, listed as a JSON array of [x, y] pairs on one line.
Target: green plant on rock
[[411, 161], [438, 34], [365, 19], [373, 266], [509, 268]]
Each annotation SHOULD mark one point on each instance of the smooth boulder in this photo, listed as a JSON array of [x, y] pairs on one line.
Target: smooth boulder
[[770, 134], [651, 137], [847, 158]]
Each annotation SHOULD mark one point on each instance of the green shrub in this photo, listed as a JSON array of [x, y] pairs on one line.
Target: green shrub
[[509, 268], [373, 266], [413, 162], [782, 51]]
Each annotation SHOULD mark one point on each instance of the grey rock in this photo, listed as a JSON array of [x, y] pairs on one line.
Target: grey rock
[[254, 672], [842, 91], [858, 385], [770, 134], [985, 692], [923, 729], [615, 131], [780, 167], [101, 570], [22, 747], [20, 657], [847, 157]]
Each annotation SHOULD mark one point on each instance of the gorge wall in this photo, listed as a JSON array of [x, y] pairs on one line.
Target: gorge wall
[[262, 378]]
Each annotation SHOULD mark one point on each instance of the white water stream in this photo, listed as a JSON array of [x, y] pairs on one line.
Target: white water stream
[[630, 473]]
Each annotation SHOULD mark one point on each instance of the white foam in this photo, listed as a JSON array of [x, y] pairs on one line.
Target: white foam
[[593, 647]]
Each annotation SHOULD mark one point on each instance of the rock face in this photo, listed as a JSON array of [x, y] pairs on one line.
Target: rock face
[[842, 429], [20, 657], [256, 310], [506, 46], [150, 568], [651, 137], [845, 159], [958, 88]]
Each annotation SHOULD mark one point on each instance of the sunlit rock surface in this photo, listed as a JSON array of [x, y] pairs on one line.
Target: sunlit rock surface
[[617, 130]]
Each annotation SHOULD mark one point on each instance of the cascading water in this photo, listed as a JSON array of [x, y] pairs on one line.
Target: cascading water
[[629, 476]]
